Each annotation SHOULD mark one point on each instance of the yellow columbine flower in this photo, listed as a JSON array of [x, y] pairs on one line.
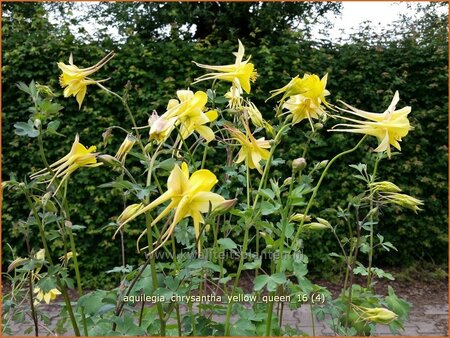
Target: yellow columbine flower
[[390, 193], [388, 127], [384, 186], [189, 196], [252, 150], [75, 80], [46, 296], [66, 257], [79, 156], [187, 112], [310, 87], [241, 73], [125, 148], [306, 98], [234, 96], [376, 315], [300, 218], [403, 200]]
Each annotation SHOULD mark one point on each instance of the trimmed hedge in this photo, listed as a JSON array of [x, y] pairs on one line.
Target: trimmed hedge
[[365, 72]]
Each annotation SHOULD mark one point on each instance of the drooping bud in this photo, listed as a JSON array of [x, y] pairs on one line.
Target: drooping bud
[[318, 126], [299, 164], [316, 226], [225, 206], [324, 222], [129, 211], [300, 218], [125, 148], [108, 159], [377, 315], [287, 181]]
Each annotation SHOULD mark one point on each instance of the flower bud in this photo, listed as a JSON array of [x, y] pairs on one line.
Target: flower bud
[[130, 211], [384, 186], [316, 226], [40, 254], [37, 123], [322, 164], [225, 206], [125, 148], [300, 218], [46, 90], [378, 315], [323, 221], [299, 164], [287, 181], [318, 126], [15, 263], [108, 159]]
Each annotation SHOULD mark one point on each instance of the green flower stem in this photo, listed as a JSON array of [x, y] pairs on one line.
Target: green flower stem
[[49, 258], [74, 254], [316, 189], [372, 179], [33, 311], [205, 152], [312, 320], [130, 114], [42, 152], [248, 224], [153, 271], [148, 221], [353, 261], [284, 222]]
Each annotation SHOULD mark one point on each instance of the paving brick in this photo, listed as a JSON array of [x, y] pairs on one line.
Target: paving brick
[[426, 327], [436, 310]]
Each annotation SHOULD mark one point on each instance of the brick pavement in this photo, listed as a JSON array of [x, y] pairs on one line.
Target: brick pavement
[[423, 322]]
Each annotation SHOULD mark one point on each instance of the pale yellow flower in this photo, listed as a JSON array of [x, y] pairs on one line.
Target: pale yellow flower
[[125, 148], [241, 73], [375, 315], [66, 257], [46, 296], [252, 150], [389, 127], [186, 112], [190, 196], [403, 200], [310, 87], [234, 96], [75, 80], [79, 156]]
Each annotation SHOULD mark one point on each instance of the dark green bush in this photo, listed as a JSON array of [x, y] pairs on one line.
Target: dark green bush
[[364, 72]]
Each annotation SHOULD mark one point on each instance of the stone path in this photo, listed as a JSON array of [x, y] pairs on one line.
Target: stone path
[[430, 320]]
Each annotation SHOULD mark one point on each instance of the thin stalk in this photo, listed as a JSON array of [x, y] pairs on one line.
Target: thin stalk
[[74, 255], [358, 238], [316, 189], [247, 228], [312, 320], [372, 179], [205, 152], [49, 258], [33, 311]]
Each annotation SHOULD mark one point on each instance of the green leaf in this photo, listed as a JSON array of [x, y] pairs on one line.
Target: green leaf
[[397, 305], [259, 282], [268, 208], [243, 327], [227, 243], [267, 193], [252, 265], [26, 129]]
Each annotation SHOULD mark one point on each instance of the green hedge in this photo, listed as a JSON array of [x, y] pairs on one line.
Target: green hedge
[[365, 72]]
